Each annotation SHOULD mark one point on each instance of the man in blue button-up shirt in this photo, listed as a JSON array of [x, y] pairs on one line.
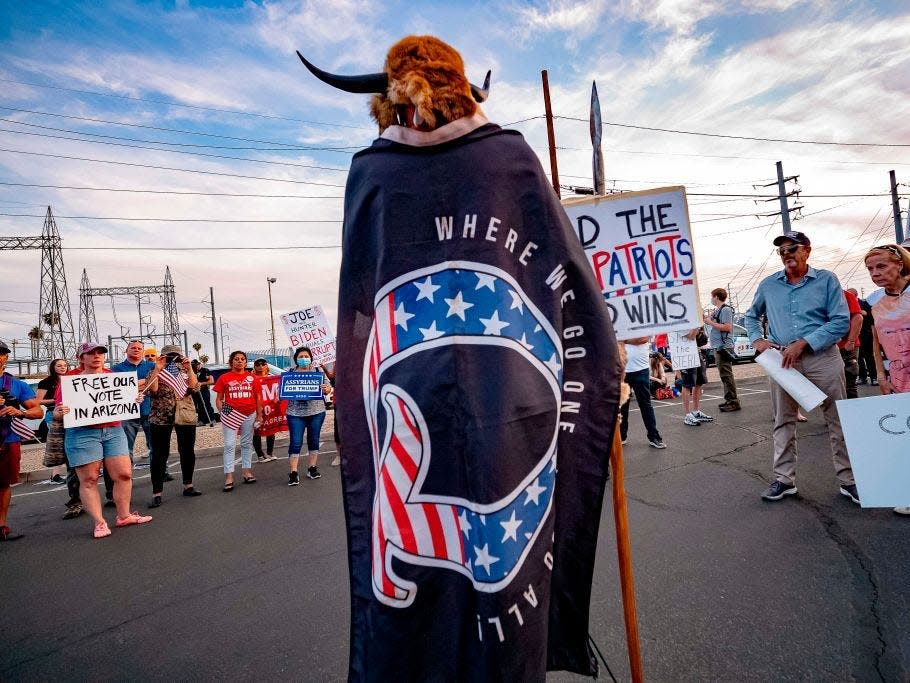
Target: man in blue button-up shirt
[[806, 314]]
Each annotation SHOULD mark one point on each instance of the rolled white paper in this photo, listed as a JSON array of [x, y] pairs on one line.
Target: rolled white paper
[[790, 380]]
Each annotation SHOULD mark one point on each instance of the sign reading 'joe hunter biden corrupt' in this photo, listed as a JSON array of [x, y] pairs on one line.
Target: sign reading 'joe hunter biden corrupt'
[[640, 247]]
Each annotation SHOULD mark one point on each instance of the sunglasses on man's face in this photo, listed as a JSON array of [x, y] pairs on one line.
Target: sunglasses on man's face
[[784, 251], [150, 356]]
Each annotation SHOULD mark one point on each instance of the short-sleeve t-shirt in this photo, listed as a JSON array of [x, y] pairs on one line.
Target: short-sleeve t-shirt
[[237, 391], [638, 357], [19, 390], [855, 309], [58, 399], [142, 369], [892, 325], [721, 340]]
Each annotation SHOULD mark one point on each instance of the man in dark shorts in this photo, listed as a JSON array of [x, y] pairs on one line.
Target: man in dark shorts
[[14, 391], [693, 380]]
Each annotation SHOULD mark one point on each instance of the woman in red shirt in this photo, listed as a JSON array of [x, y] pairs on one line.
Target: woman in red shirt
[[236, 402]]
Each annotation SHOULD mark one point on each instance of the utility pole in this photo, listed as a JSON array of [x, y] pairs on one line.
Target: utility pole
[[214, 329], [221, 326], [782, 195], [270, 281], [594, 121], [551, 136], [896, 208]]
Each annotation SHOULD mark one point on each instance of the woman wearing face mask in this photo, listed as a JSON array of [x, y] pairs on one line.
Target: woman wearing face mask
[[305, 416]]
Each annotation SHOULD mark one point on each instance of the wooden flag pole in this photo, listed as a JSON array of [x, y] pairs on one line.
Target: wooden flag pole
[[624, 553], [551, 136]]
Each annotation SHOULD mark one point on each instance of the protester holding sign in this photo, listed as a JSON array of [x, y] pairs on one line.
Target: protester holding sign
[[88, 445], [269, 411], [305, 416], [889, 268], [236, 402], [171, 386]]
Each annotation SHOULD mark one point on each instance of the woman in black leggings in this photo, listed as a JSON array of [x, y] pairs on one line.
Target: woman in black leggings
[[167, 407]]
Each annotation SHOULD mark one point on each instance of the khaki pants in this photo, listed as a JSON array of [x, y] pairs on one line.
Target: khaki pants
[[723, 358], [826, 370]]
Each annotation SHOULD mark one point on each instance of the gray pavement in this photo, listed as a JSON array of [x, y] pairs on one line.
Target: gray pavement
[[253, 584]]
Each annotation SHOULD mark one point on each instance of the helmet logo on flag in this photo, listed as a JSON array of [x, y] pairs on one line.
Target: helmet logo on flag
[[414, 521]]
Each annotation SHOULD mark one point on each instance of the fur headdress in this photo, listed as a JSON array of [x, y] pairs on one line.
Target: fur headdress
[[422, 85]]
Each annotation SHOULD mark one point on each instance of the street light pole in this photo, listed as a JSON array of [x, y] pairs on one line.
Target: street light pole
[[271, 281]]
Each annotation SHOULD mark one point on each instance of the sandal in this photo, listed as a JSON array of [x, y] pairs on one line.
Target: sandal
[[133, 518], [249, 480], [101, 530], [228, 487]]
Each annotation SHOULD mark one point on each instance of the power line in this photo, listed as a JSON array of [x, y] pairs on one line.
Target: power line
[[169, 192], [168, 168], [739, 137], [173, 220], [200, 249], [173, 151], [286, 145], [185, 106]]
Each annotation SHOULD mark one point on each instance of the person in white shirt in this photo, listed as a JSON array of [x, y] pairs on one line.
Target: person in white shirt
[[638, 377]]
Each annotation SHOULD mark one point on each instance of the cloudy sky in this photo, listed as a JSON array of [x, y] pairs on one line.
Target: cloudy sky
[[191, 126]]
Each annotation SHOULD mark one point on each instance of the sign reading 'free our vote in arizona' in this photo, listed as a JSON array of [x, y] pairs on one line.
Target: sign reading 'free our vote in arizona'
[[640, 247], [103, 397], [309, 327]]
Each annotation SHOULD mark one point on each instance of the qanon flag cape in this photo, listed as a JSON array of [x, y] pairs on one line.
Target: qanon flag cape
[[478, 385]]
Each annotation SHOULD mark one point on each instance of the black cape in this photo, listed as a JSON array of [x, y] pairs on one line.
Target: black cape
[[477, 393]]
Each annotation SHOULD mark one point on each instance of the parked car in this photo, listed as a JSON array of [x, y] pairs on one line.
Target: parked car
[[743, 351]]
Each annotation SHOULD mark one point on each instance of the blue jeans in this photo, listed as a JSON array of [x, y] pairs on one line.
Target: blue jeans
[[640, 383], [246, 445], [131, 429], [296, 427]]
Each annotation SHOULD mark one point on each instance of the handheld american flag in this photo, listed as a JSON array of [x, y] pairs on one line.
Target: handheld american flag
[[175, 379], [19, 427], [232, 418]]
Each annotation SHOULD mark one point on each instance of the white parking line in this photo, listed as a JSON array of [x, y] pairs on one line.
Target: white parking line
[[55, 489]]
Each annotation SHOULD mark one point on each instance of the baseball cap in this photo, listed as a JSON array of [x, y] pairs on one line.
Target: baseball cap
[[794, 236], [170, 348], [91, 346], [4, 349]]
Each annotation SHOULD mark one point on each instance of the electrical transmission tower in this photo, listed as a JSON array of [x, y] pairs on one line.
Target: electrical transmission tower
[[88, 327], [55, 322]]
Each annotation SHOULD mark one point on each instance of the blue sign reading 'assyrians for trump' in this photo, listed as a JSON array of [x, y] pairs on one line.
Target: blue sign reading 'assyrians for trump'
[[640, 247], [300, 386]]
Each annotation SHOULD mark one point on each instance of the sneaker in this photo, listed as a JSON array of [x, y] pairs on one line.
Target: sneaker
[[778, 490], [874, 382], [657, 443], [850, 491], [262, 458], [110, 503], [730, 407], [623, 441], [168, 476], [7, 535], [56, 480], [701, 417], [902, 511], [691, 420], [141, 466], [336, 461], [270, 457], [101, 530], [293, 479], [73, 511], [313, 472], [861, 381]]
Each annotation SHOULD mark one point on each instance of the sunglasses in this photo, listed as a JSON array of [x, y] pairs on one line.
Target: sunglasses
[[150, 355], [783, 251]]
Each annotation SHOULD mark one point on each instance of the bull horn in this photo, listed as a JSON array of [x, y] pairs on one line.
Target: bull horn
[[480, 94], [364, 83]]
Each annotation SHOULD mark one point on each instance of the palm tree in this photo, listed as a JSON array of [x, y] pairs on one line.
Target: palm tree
[[197, 347], [35, 335]]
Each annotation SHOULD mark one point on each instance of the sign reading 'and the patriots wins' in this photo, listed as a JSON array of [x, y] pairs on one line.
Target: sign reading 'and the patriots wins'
[[477, 393]]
